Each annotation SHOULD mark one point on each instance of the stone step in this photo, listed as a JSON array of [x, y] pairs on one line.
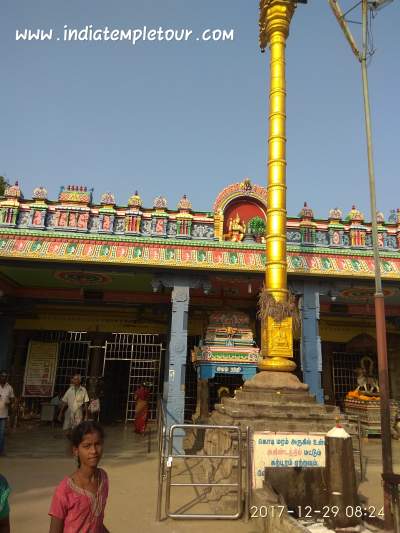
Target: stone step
[[244, 402], [238, 409], [278, 396]]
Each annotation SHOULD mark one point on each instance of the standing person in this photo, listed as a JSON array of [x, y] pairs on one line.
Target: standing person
[[94, 407], [142, 408], [4, 507], [75, 401], [6, 399], [80, 499]]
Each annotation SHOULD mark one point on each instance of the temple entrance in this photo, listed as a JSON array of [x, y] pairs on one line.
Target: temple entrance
[[130, 360], [115, 391]]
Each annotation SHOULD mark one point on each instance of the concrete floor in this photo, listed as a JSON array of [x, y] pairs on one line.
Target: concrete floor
[[37, 460]]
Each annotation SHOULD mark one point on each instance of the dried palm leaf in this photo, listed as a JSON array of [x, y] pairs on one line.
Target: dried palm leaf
[[268, 306]]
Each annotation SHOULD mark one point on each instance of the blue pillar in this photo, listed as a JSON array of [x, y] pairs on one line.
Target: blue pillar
[[6, 337], [311, 357], [174, 389]]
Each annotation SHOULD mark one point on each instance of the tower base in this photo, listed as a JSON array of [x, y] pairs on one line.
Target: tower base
[[270, 401]]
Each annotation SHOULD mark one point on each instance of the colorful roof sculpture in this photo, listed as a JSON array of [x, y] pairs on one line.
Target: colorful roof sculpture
[[380, 217], [160, 203], [335, 214], [355, 215], [39, 193], [75, 194], [107, 198], [76, 230], [306, 213], [13, 191], [135, 200], [184, 204]]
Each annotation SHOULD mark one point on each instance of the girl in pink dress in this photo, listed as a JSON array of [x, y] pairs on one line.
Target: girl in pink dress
[[79, 500]]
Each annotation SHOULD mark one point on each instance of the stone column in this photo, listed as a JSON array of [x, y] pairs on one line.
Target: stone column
[[311, 357], [6, 339], [175, 361], [20, 353], [174, 390]]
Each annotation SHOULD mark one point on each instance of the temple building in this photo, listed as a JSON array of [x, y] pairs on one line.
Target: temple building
[[126, 294]]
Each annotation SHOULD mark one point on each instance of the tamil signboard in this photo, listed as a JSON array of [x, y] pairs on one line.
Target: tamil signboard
[[40, 370], [285, 450]]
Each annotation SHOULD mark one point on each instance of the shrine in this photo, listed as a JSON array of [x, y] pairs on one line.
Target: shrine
[[99, 280]]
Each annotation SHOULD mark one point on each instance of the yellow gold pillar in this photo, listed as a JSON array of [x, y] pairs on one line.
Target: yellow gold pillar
[[275, 17]]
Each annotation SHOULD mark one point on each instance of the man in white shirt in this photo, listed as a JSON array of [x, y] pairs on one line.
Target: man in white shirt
[[75, 401], [6, 398]]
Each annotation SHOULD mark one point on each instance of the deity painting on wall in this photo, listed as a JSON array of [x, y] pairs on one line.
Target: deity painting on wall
[[186, 255], [137, 252], [105, 250], [106, 223], [62, 219], [159, 228], [72, 220], [169, 254], [37, 218], [83, 220], [122, 251], [54, 247], [88, 249]]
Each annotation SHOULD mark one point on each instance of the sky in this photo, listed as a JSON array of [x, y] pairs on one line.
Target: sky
[[190, 117]]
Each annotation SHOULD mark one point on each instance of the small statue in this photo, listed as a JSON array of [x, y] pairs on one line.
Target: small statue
[[396, 426], [237, 229], [366, 382]]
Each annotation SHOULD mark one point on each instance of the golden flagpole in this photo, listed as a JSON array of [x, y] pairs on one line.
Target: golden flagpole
[[277, 346]]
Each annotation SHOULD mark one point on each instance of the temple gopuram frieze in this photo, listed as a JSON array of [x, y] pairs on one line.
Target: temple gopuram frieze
[[230, 237]]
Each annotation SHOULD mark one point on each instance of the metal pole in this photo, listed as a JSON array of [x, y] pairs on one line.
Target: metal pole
[[379, 297]]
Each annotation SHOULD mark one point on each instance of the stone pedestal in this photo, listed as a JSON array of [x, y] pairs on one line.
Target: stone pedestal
[[271, 401], [275, 401]]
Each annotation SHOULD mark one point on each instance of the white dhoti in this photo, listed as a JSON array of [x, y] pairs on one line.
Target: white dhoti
[[75, 398]]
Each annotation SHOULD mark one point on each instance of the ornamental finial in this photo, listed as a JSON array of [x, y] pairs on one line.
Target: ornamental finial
[[135, 200], [160, 202], [39, 193], [335, 214], [355, 215], [306, 213], [184, 204], [107, 198]]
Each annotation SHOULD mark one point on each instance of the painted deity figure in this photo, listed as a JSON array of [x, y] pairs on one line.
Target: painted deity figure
[[237, 229], [62, 220], [72, 220], [159, 226], [37, 218], [106, 222], [83, 220]]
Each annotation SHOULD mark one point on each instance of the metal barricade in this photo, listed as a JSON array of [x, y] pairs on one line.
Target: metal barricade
[[358, 449], [174, 455], [393, 480]]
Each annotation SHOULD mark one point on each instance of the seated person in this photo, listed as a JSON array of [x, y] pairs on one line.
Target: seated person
[[4, 507]]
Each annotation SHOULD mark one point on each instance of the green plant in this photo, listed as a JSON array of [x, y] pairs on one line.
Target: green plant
[[257, 226], [3, 185]]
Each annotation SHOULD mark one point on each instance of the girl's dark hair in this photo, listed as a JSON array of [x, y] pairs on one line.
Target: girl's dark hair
[[84, 428]]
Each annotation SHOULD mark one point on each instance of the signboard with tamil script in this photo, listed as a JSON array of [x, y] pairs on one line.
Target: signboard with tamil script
[[40, 370], [285, 450]]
